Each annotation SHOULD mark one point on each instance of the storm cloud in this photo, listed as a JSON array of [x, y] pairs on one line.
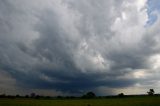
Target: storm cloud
[[73, 46]]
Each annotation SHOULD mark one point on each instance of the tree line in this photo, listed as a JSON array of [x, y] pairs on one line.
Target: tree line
[[87, 95]]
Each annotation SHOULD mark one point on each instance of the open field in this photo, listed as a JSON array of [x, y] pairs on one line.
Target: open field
[[127, 101]]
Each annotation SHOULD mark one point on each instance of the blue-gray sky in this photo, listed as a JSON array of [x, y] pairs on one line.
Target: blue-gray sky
[[68, 47]]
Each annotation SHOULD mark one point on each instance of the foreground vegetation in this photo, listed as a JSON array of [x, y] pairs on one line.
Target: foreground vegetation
[[113, 101]]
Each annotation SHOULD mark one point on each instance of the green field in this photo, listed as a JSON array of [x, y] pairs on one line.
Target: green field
[[127, 101]]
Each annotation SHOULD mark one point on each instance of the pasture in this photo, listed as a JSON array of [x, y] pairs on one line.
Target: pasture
[[126, 101]]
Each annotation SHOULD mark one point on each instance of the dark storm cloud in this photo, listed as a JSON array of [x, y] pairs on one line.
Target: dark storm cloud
[[73, 46]]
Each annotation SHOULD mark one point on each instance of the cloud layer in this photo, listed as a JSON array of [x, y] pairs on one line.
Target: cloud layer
[[74, 46]]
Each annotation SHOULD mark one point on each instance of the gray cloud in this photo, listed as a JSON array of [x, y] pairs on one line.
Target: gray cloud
[[73, 46]]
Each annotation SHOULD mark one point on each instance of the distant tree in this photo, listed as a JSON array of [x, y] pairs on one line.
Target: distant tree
[[151, 92], [38, 96], [47, 97], [70, 97], [59, 97], [32, 95], [121, 94], [2, 95], [26, 96], [10, 96], [89, 95], [17, 96]]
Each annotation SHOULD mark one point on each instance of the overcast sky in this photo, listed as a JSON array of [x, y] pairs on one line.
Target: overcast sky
[[64, 47]]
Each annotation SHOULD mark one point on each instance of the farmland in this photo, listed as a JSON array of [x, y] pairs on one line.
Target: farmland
[[126, 101]]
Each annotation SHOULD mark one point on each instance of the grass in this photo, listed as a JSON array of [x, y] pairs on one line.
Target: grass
[[127, 101]]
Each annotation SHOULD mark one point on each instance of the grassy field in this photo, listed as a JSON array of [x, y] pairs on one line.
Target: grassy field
[[127, 101]]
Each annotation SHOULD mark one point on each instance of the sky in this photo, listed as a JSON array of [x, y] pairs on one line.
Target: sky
[[69, 47]]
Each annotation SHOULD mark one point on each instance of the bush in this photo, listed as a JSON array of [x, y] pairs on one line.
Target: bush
[[121, 95]]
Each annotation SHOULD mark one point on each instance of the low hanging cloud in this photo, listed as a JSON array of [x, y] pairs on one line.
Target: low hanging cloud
[[74, 46]]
